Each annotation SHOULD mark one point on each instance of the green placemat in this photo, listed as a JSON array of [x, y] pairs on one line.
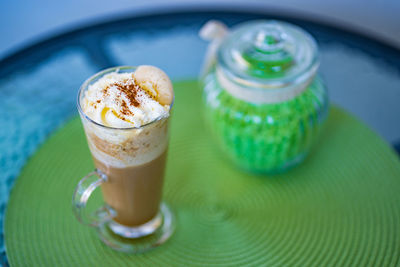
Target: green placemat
[[340, 207]]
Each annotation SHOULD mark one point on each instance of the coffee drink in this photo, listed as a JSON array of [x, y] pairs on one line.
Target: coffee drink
[[127, 132]]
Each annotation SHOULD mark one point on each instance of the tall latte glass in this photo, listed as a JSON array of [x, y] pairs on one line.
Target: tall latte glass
[[130, 163]]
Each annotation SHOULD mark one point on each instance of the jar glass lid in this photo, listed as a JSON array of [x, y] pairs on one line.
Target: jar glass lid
[[268, 54]]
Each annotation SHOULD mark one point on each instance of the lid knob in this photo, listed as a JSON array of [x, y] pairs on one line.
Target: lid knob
[[268, 53], [269, 40]]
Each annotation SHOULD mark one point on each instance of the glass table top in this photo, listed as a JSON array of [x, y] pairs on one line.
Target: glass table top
[[38, 85]]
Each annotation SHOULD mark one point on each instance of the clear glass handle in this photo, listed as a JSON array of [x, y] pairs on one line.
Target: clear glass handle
[[82, 193]]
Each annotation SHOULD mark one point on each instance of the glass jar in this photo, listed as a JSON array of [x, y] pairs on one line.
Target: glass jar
[[263, 102]]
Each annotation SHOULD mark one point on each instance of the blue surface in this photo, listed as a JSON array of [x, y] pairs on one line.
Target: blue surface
[[179, 51], [33, 104], [38, 86]]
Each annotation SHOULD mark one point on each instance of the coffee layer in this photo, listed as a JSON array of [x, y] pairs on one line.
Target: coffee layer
[[134, 192]]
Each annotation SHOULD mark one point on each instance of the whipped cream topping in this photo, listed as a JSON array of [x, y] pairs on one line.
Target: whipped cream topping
[[116, 100]]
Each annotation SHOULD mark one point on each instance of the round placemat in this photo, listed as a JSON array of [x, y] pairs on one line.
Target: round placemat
[[340, 207]]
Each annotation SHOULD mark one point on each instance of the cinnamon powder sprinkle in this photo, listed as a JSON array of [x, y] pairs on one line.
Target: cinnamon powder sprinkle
[[128, 88], [125, 110]]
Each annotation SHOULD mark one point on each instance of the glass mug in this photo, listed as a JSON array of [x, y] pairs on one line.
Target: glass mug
[[130, 165]]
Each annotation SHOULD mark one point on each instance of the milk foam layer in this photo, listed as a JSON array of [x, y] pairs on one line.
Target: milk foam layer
[[116, 101]]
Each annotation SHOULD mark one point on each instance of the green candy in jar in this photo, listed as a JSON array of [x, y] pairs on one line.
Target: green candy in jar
[[263, 101]]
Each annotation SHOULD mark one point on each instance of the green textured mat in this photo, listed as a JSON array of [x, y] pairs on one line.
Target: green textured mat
[[341, 207]]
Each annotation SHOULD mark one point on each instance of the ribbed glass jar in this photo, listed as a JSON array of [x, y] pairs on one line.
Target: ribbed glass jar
[[278, 128]]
